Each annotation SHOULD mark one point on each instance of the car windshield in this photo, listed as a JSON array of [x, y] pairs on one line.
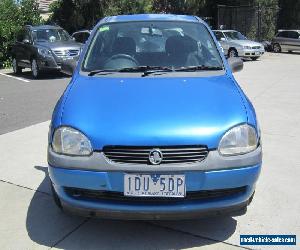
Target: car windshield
[[50, 35], [234, 35], [160, 45]]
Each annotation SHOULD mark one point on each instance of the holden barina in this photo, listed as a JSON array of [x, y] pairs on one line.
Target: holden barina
[[153, 125]]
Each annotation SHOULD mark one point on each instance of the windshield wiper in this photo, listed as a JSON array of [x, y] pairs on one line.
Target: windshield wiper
[[99, 71], [198, 68], [147, 70]]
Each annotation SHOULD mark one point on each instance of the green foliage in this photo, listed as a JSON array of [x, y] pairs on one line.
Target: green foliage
[[191, 7], [289, 14], [13, 16], [83, 14]]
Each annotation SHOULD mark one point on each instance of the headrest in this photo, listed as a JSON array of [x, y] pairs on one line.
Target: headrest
[[180, 45], [124, 45]]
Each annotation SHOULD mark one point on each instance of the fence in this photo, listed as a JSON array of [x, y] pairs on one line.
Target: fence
[[256, 22]]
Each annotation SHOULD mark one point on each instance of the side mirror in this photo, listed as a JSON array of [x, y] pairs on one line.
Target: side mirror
[[68, 66], [222, 39], [236, 64]]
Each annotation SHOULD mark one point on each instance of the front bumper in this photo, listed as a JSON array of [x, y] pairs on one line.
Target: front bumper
[[195, 181], [47, 63], [251, 52]]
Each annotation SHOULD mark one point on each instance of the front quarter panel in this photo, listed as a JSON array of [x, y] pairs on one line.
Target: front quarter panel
[[58, 111]]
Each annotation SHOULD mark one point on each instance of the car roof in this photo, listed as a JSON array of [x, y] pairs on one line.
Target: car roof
[[151, 17], [81, 31], [288, 30], [41, 27]]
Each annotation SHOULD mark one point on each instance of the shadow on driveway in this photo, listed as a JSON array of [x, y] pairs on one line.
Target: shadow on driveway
[[47, 225]]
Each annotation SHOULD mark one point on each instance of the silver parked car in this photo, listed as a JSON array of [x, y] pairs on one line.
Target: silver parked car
[[235, 44], [288, 40]]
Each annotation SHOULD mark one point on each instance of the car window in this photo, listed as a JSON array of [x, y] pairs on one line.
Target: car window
[[234, 35], [219, 35], [50, 35], [283, 34], [168, 43], [293, 34]]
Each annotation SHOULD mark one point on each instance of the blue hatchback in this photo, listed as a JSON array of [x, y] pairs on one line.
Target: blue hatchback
[[153, 125]]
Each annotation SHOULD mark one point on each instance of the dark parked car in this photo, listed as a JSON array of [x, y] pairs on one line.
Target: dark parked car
[[81, 36], [43, 48], [286, 40]]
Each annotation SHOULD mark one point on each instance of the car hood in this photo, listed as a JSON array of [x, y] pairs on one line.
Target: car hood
[[153, 111], [246, 43], [60, 45]]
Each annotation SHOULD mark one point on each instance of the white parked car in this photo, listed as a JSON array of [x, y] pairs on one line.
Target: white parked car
[[235, 44]]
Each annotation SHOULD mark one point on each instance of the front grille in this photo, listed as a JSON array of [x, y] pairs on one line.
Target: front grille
[[256, 47], [95, 195], [66, 53], [170, 154]]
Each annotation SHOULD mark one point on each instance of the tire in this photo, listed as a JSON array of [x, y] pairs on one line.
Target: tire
[[17, 69], [254, 58], [56, 198], [276, 48], [35, 71], [232, 53]]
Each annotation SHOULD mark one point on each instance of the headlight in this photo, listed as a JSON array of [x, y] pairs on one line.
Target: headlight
[[69, 141], [241, 139], [246, 47], [44, 52]]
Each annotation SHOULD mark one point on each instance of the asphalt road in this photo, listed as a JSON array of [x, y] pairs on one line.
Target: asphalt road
[[27, 102], [30, 220]]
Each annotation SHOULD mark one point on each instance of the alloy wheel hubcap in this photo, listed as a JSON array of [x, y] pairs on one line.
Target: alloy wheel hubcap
[[232, 54]]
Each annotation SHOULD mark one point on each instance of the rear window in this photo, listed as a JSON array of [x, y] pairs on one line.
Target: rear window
[[294, 34], [171, 44]]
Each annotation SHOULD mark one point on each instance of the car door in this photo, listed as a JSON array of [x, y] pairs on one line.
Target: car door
[[294, 38], [283, 39], [27, 47], [18, 50], [22, 48]]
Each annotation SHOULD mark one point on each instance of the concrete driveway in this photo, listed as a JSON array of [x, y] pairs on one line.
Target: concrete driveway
[[30, 220]]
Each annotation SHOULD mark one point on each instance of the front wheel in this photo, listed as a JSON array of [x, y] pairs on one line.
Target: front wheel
[[35, 71], [276, 48], [254, 58], [17, 70], [232, 53]]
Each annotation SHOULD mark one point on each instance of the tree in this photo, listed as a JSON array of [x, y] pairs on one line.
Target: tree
[[13, 16], [289, 14]]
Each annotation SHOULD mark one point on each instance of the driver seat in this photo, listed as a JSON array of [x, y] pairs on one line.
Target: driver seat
[[124, 45]]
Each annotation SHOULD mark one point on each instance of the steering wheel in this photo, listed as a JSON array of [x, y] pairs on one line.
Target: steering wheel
[[120, 61]]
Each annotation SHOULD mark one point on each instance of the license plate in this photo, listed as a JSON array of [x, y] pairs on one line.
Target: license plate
[[257, 53], [154, 185]]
